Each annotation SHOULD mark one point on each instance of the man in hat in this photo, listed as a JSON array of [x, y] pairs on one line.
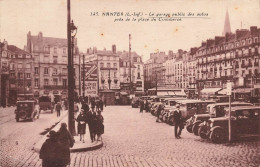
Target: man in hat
[[178, 122], [49, 152]]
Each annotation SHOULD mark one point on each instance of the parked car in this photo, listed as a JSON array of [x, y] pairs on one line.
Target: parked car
[[135, 102], [213, 110], [190, 107], [245, 122], [26, 110], [45, 103]]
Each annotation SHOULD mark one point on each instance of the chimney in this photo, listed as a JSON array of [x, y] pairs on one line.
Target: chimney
[[253, 29], [5, 44], [114, 49], [40, 36], [209, 42], [29, 42], [219, 38], [240, 33], [203, 43]]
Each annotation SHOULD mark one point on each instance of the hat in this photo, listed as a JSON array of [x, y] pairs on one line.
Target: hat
[[177, 105], [52, 134]]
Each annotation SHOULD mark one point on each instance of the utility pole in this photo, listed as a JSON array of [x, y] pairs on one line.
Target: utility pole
[[130, 64], [83, 75], [71, 122], [79, 76]]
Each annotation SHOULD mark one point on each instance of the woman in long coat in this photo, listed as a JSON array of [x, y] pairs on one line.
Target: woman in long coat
[[66, 141], [99, 126], [82, 121]]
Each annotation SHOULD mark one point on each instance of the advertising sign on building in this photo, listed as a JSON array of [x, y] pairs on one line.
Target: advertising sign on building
[[91, 88]]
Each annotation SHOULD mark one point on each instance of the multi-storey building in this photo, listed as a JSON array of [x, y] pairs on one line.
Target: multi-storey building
[[50, 64], [16, 77], [137, 72], [233, 57]]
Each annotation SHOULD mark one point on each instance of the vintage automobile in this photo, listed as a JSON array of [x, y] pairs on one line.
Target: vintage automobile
[[135, 102], [245, 122], [213, 110], [45, 103], [189, 108], [26, 110]]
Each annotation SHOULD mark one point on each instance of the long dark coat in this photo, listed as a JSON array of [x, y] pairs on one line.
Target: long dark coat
[[82, 120], [177, 117], [99, 124], [66, 141], [50, 153]]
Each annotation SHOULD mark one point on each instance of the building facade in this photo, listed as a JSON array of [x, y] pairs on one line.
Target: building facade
[[50, 65], [16, 77]]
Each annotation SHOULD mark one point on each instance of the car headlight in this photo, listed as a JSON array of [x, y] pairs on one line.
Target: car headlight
[[204, 123], [211, 124]]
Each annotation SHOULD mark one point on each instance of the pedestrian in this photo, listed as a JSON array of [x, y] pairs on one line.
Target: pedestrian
[[90, 121], [93, 104], [58, 108], [159, 110], [100, 125], [49, 152], [97, 105], [101, 105], [105, 102], [76, 110], [85, 107], [178, 122], [147, 106], [141, 105], [66, 141], [82, 120], [95, 123]]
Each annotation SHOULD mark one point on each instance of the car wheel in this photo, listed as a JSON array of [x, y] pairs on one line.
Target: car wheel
[[217, 136], [195, 129], [189, 128], [171, 121], [203, 132]]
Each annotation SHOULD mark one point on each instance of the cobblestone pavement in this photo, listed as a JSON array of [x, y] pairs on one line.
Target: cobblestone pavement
[[135, 139], [17, 138]]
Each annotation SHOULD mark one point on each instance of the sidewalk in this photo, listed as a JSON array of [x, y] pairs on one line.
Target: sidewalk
[[78, 145]]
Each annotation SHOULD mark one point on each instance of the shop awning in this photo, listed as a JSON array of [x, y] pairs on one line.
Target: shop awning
[[222, 92], [179, 93], [210, 90], [123, 93], [242, 90]]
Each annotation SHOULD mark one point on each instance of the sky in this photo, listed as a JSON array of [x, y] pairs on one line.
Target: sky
[[18, 17]]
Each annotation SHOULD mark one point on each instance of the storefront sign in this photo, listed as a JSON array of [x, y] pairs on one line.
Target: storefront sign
[[91, 88]]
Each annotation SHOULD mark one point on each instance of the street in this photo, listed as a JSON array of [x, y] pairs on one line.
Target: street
[[131, 139]]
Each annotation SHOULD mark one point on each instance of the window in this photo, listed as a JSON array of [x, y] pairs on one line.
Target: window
[[64, 50], [36, 70], [20, 65], [46, 82], [64, 70], [138, 75], [108, 65], [138, 66], [55, 50], [64, 82], [101, 65], [108, 58], [55, 71], [46, 49], [114, 74], [28, 65], [20, 75], [28, 75], [36, 83], [46, 70], [114, 65], [55, 81], [55, 59]]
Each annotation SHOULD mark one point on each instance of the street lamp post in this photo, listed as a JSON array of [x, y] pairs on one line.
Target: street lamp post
[[83, 75], [71, 82]]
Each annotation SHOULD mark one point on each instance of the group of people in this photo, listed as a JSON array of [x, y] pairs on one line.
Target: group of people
[[55, 151], [144, 105]]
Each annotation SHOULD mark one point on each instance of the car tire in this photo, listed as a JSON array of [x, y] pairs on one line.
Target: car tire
[[217, 135], [189, 128], [195, 129], [203, 132], [171, 121]]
